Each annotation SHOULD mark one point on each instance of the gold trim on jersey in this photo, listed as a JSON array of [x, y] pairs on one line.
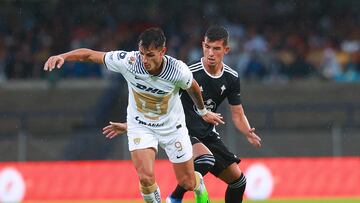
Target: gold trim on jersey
[[149, 104]]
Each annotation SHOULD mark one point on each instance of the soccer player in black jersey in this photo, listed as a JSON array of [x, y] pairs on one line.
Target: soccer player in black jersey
[[217, 82]]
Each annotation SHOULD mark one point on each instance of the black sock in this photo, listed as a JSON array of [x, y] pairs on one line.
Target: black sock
[[203, 164], [235, 191]]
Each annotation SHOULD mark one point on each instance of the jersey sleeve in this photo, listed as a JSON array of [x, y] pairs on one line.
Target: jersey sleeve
[[117, 61], [234, 97], [186, 76]]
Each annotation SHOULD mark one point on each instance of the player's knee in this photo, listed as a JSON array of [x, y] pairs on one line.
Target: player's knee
[[239, 184], [187, 181], [146, 179]]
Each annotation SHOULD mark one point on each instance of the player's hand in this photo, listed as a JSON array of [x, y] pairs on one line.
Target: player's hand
[[54, 61], [114, 129], [213, 118], [253, 138]]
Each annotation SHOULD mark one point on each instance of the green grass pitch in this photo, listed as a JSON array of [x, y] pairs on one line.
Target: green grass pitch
[[354, 200]]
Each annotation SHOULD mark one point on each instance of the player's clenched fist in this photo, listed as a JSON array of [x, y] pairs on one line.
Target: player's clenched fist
[[54, 61]]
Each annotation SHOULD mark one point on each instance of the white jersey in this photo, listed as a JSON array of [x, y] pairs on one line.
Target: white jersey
[[154, 101]]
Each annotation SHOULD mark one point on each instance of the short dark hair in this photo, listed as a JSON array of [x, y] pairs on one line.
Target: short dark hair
[[152, 37], [217, 32]]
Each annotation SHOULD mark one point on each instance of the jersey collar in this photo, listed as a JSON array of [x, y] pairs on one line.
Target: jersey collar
[[212, 76]]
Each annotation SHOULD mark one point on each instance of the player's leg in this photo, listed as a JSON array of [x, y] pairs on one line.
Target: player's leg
[[191, 180], [143, 147], [143, 160], [236, 181], [203, 162], [226, 168], [179, 150]]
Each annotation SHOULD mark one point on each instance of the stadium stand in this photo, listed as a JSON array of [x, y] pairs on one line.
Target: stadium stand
[[300, 76], [311, 42]]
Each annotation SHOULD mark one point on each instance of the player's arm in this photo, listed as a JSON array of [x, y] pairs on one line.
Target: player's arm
[[86, 55], [241, 122], [195, 94]]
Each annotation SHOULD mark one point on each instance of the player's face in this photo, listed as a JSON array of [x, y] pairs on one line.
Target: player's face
[[152, 58], [214, 52]]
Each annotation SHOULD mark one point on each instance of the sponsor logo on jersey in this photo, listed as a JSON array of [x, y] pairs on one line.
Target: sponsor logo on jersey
[[149, 89], [121, 55], [210, 105], [141, 122]]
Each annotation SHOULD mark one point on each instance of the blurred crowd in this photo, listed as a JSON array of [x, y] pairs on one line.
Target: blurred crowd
[[271, 40]]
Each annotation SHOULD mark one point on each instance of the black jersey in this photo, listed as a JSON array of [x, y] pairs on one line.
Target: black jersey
[[214, 91]]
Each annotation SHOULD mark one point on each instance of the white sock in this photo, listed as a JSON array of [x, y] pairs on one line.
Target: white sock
[[152, 197]]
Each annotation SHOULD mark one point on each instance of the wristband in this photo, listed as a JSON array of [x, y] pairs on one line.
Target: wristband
[[201, 112]]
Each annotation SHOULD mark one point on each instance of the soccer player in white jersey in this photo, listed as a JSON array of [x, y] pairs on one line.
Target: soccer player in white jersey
[[218, 82], [155, 114]]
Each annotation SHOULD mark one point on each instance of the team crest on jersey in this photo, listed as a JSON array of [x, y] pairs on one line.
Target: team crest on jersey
[[223, 88], [131, 60], [137, 140]]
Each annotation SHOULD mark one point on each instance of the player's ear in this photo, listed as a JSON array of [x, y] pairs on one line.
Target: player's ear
[[227, 49], [163, 50]]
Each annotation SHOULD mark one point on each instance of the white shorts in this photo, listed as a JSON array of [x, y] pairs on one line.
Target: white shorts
[[177, 144]]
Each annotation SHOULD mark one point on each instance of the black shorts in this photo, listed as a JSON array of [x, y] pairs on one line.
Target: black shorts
[[223, 157]]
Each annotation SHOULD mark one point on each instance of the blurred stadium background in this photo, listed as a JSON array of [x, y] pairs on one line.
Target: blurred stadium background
[[299, 63]]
